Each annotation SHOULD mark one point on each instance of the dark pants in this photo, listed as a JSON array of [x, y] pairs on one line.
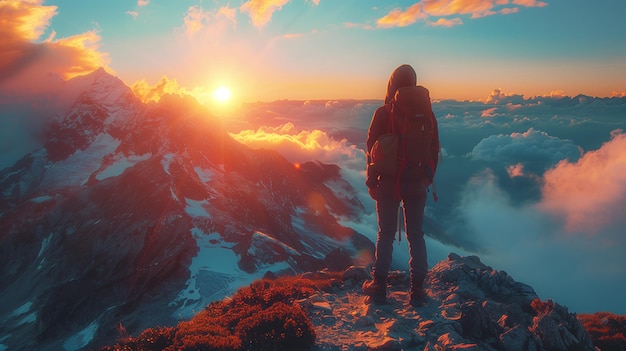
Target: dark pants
[[413, 196]]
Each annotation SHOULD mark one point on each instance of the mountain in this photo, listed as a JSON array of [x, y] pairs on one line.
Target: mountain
[[141, 214], [468, 306], [132, 216]]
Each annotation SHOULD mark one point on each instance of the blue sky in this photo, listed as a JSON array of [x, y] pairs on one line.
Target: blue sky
[[266, 50]]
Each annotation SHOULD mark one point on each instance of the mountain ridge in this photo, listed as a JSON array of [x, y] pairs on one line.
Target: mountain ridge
[[103, 224], [468, 305], [143, 214]]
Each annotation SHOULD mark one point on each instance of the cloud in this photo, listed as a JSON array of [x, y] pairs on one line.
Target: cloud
[[585, 274], [530, 3], [24, 61], [490, 112], [32, 74], [399, 18], [261, 11], [516, 170], [147, 93], [198, 20], [590, 194], [618, 94], [300, 146], [133, 14], [443, 9], [444, 22], [531, 147], [143, 2], [498, 97], [153, 93]]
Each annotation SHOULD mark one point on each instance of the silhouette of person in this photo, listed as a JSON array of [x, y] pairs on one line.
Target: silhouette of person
[[410, 187]]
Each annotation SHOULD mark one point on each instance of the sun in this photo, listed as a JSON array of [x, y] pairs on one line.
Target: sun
[[222, 94]]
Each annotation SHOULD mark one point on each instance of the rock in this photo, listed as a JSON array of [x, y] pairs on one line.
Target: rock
[[358, 273]]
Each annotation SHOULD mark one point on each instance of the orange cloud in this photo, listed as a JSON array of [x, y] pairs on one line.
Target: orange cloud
[[444, 22], [302, 146], [490, 112], [618, 94], [589, 195], [153, 93], [530, 3], [446, 8], [399, 18], [23, 61], [515, 170], [147, 93], [211, 21], [261, 11]]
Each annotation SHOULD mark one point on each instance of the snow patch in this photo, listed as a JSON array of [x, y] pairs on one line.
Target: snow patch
[[197, 208], [121, 165], [21, 313], [76, 169], [204, 174], [44, 244], [214, 273], [317, 245], [166, 161], [41, 199], [22, 309], [259, 237], [82, 338]]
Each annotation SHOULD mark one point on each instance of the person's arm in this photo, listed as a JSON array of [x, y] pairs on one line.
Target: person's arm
[[378, 127], [436, 146]]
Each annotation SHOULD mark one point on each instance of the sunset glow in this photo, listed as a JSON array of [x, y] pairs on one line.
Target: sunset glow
[[222, 94], [530, 106], [297, 50]]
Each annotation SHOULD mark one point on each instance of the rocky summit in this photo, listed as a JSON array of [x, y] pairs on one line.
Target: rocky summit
[[469, 306]]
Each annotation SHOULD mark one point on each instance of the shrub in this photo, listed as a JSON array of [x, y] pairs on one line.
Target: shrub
[[280, 327], [261, 316]]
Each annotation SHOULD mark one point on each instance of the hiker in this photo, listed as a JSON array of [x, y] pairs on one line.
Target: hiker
[[408, 181]]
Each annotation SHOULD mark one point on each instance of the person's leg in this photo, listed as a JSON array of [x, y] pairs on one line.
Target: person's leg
[[387, 210], [414, 200]]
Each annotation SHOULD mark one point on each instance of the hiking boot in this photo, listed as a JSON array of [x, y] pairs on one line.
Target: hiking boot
[[418, 295], [376, 289]]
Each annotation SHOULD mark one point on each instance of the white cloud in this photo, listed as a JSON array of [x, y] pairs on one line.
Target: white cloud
[[585, 274], [532, 146]]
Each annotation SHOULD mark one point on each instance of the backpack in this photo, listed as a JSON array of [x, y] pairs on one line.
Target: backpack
[[411, 146]]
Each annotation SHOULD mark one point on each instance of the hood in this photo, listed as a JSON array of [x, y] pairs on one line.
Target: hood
[[403, 76]]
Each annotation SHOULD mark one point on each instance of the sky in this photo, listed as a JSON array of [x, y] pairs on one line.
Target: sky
[[266, 50], [532, 179]]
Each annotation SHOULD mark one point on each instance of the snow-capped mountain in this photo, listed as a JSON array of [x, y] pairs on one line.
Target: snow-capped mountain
[[140, 214]]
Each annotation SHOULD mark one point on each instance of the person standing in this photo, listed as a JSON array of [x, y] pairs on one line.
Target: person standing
[[406, 113]]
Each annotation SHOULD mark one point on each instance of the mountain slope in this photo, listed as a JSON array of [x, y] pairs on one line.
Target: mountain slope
[[468, 306], [142, 214]]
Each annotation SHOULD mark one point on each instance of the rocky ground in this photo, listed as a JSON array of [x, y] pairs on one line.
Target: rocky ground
[[469, 306]]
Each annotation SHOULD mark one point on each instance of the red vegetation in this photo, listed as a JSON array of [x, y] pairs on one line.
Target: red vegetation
[[262, 316], [608, 331]]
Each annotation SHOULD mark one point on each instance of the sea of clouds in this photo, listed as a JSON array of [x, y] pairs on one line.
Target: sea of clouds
[[535, 187]]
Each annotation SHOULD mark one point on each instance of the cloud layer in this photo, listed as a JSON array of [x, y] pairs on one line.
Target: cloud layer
[[23, 61], [589, 195], [446, 12]]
